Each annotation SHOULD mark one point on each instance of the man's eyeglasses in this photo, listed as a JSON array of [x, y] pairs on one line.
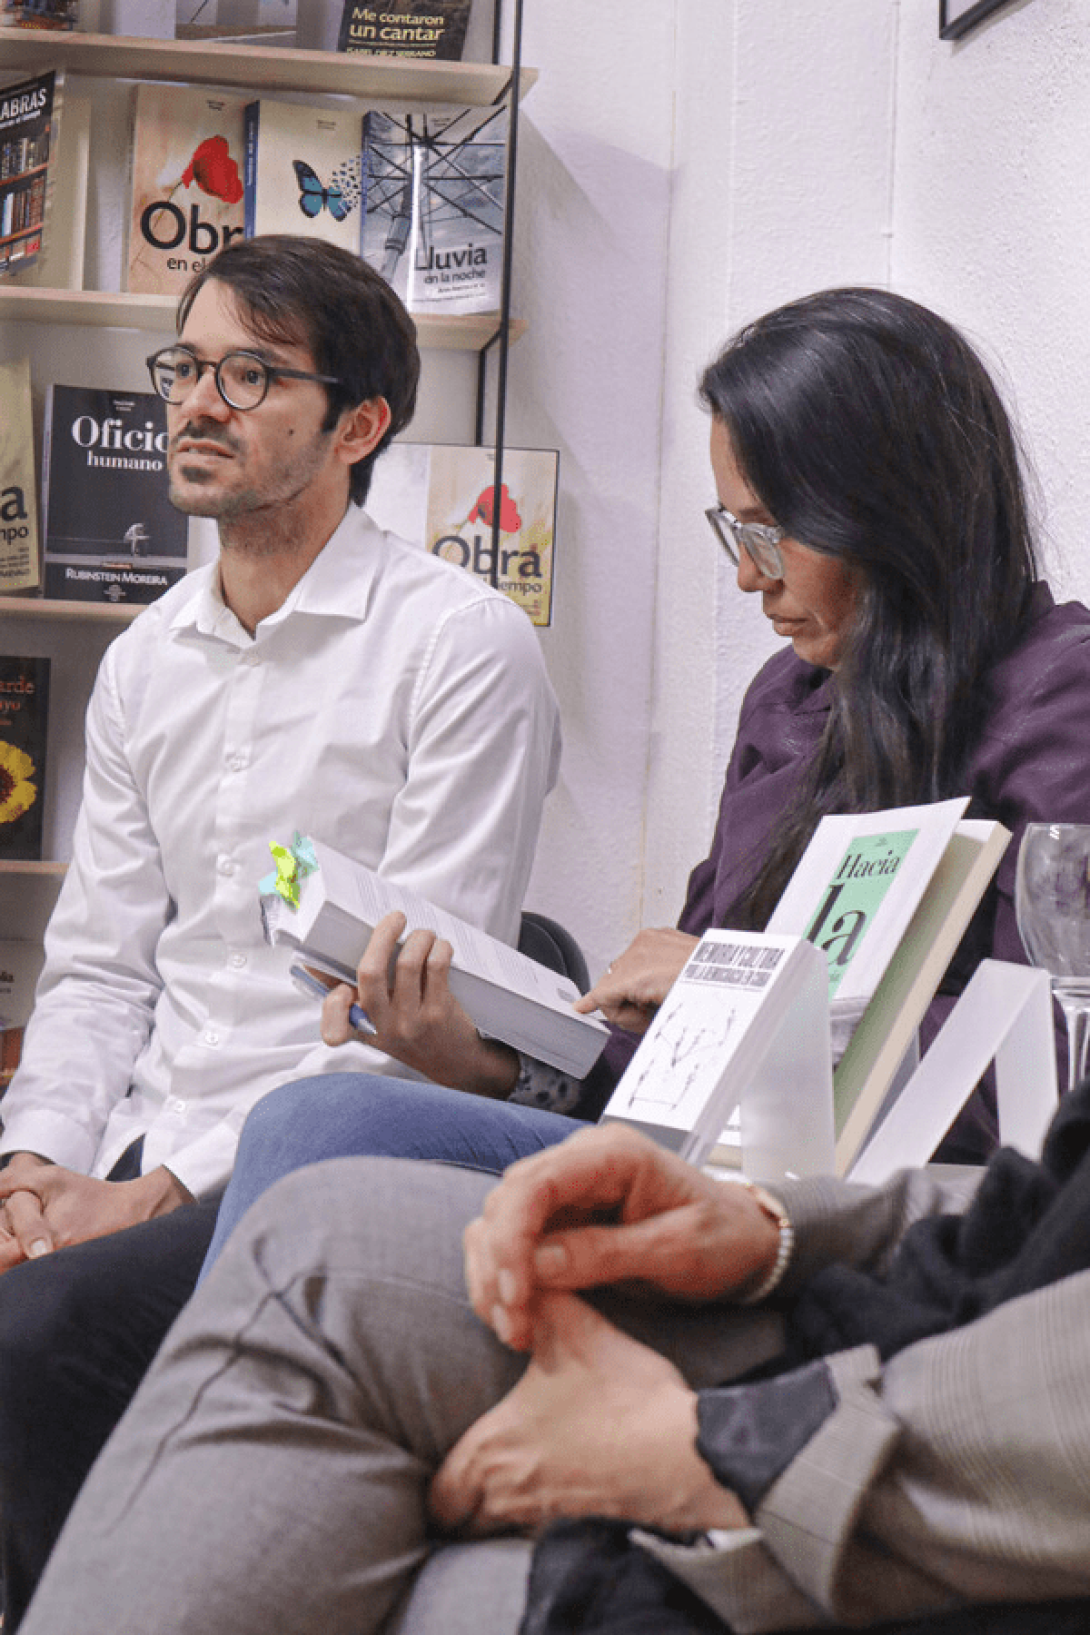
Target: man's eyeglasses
[[759, 541], [242, 378]]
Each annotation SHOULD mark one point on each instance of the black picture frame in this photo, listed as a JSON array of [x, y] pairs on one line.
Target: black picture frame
[[958, 17]]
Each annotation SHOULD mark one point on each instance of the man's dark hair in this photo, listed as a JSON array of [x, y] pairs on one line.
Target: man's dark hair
[[872, 432], [302, 291]]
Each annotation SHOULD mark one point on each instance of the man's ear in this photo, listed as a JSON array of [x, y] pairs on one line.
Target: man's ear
[[362, 429]]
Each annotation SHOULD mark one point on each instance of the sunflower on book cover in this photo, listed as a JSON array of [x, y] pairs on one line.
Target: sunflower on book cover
[[17, 792]]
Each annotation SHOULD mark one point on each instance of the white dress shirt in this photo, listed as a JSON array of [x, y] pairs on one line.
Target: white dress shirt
[[393, 707]]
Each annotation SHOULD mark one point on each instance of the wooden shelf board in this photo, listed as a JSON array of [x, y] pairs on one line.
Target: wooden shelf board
[[53, 870], [47, 607], [264, 68], [109, 309]]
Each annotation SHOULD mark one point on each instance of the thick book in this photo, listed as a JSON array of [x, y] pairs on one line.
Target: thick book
[[411, 28], [303, 171], [19, 567], [434, 196], [887, 1028], [29, 111], [20, 967], [507, 996], [110, 531], [186, 188], [24, 712], [237, 22], [745, 1026], [444, 495]]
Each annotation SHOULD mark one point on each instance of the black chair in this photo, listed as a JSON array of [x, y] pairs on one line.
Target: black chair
[[544, 940]]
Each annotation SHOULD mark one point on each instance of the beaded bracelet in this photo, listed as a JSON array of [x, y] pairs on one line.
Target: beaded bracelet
[[774, 1209]]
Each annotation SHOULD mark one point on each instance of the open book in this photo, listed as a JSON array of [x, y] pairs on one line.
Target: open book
[[506, 995]]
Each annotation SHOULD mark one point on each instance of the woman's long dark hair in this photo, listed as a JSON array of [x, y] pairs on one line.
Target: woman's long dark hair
[[871, 431]]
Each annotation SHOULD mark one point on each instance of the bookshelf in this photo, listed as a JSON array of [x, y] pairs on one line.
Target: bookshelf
[[75, 634]]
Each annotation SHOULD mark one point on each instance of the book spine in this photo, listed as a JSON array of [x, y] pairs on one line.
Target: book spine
[[249, 180]]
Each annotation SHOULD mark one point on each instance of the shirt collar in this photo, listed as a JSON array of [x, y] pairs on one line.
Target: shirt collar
[[338, 583]]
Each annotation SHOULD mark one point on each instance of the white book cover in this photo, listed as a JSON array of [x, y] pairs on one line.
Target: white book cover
[[507, 995], [303, 171], [744, 1025], [186, 189], [435, 190], [442, 495], [856, 888]]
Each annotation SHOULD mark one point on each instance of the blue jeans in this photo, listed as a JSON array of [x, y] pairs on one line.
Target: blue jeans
[[357, 1115]]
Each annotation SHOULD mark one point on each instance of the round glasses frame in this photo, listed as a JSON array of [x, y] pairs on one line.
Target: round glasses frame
[[242, 378], [759, 540]]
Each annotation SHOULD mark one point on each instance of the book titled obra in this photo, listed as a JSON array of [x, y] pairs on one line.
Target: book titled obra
[[111, 533], [445, 495], [506, 995]]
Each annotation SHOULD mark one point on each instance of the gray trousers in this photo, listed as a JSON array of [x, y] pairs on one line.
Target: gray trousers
[[271, 1473]]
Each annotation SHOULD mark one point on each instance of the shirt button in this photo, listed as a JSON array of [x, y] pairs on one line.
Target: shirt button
[[176, 1105], [211, 1037], [226, 865], [237, 763], [237, 961]]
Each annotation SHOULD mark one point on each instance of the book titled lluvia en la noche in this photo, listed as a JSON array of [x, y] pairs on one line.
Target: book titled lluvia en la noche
[[111, 533], [24, 707], [434, 196]]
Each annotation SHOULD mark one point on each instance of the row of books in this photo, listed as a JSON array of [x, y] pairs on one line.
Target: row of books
[[28, 112], [406, 28], [417, 192], [111, 534], [397, 28]]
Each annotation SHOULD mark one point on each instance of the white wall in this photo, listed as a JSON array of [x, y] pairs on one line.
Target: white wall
[[814, 142], [991, 226]]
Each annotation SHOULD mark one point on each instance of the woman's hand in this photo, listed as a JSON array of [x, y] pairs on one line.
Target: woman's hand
[[599, 1425], [610, 1206], [406, 995], [638, 981]]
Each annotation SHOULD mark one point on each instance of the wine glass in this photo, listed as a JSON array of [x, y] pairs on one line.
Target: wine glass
[[1052, 902]]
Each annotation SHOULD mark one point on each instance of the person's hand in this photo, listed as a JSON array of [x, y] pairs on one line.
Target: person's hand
[[635, 985], [407, 997], [47, 1207], [610, 1206], [599, 1425]]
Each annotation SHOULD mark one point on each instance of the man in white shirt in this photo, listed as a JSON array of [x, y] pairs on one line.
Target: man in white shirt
[[321, 676]]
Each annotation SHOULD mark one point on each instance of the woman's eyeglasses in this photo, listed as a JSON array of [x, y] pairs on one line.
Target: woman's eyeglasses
[[759, 540]]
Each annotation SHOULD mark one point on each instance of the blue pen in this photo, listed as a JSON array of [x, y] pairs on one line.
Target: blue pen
[[360, 1020], [309, 984]]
